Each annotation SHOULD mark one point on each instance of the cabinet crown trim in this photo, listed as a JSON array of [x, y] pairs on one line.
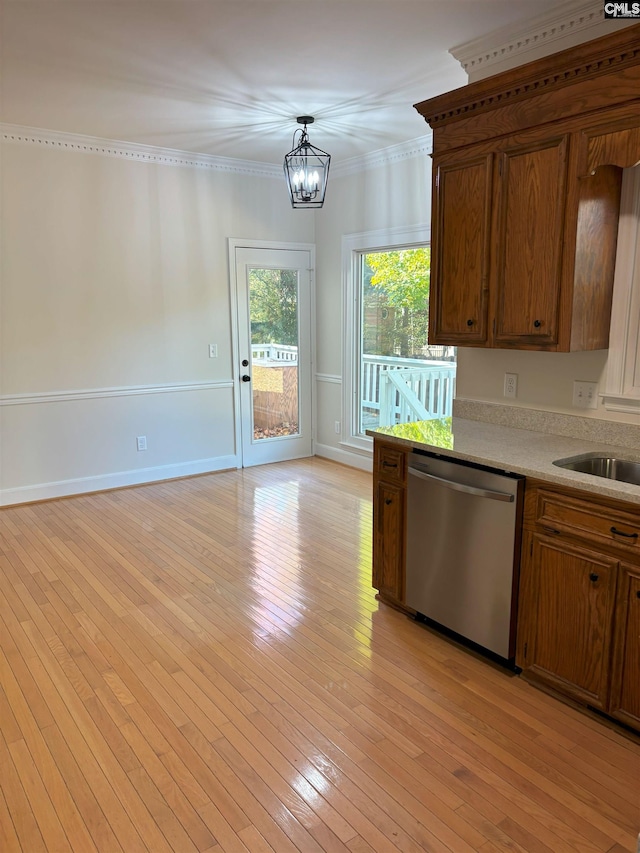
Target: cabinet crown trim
[[586, 61]]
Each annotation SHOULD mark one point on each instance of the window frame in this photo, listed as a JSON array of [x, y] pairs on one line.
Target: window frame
[[353, 247]]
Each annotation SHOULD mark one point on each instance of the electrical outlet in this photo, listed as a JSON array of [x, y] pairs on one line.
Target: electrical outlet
[[213, 350], [585, 395], [511, 385], [336, 427], [141, 442]]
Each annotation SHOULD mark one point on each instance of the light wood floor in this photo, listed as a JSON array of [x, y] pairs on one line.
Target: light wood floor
[[202, 665]]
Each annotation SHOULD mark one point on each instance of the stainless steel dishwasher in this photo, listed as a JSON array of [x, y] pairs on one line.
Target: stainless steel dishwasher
[[462, 549]]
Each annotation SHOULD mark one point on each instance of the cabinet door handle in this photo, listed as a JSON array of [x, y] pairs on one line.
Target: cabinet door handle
[[388, 501], [638, 593], [593, 577], [469, 322], [617, 532], [537, 323]]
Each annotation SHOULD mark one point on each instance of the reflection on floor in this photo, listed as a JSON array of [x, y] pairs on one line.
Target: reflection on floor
[[202, 665]]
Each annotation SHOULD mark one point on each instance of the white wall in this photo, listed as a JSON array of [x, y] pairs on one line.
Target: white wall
[[113, 281], [545, 380], [392, 195]]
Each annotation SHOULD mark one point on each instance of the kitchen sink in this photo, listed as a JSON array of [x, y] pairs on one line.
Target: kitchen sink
[[611, 467]]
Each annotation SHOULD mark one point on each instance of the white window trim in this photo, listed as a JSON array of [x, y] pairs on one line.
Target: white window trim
[[622, 389], [386, 240]]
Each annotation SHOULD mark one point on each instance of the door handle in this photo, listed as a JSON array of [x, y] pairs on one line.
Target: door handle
[[617, 532], [246, 377], [463, 487]]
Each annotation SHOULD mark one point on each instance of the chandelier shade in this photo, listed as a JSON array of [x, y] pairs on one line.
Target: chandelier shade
[[306, 169]]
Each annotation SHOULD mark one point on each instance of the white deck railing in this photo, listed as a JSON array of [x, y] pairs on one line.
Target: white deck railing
[[274, 352], [393, 389], [399, 390]]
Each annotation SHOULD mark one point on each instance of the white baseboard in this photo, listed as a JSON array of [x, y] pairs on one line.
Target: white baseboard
[[346, 457], [139, 476]]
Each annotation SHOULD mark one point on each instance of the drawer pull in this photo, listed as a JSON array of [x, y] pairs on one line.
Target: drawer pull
[[390, 464], [537, 323], [617, 532], [551, 530], [593, 577]]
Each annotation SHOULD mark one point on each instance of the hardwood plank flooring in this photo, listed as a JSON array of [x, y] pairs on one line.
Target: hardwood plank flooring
[[202, 665]]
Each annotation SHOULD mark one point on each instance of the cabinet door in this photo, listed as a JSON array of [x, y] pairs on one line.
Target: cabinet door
[[529, 242], [460, 263], [569, 602], [625, 685], [388, 540]]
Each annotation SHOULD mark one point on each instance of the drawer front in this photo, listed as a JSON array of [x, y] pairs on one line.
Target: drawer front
[[391, 464], [591, 522]]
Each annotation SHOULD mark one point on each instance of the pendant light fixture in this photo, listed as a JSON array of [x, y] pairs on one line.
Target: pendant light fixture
[[306, 169]]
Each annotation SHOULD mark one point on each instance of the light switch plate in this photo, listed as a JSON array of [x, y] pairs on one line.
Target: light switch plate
[[585, 395], [213, 350]]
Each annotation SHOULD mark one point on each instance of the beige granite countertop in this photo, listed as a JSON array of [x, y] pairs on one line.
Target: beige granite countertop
[[521, 451]]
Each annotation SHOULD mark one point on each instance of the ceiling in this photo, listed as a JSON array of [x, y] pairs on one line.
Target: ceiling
[[229, 78]]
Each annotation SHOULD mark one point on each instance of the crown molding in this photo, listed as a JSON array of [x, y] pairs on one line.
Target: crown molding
[[419, 147], [608, 55], [576, 16], [55, 140]]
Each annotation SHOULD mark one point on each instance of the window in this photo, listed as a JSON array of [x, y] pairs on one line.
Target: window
[[392, 374]]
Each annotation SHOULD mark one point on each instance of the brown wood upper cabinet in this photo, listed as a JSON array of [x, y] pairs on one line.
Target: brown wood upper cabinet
[[527, 169], [458, 312], [528, 245]]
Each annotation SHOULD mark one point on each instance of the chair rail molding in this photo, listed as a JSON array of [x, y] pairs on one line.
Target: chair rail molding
[[99, 393]]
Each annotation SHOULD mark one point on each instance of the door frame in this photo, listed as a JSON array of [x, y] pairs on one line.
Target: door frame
[[234, 243]]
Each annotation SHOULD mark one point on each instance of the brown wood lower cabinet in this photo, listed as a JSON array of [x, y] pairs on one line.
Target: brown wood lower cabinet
[[389, 500], [569, 637], [625, 691], [388, 563], [579, 608]]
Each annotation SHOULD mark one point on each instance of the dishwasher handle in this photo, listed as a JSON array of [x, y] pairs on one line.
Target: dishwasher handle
[[462, 487]]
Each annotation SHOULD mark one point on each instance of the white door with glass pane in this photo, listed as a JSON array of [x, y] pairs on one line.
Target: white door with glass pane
[[273, 292]]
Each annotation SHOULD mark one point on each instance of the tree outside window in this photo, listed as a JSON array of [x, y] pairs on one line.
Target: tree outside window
[[395, 302]]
